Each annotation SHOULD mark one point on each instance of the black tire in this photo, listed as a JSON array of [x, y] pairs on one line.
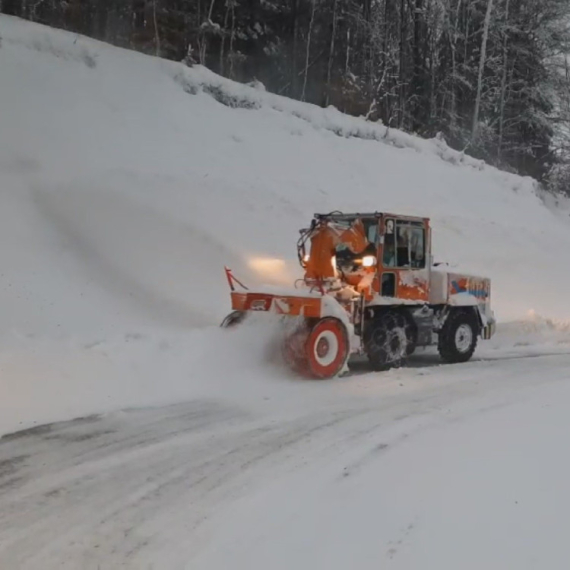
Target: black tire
[[455, 346], [386, 341], [233, 319], [412, 334]]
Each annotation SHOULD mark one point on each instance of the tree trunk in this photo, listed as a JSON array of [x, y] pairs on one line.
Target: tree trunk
[[504, 81], [211, 10], [367, 45], [308, 51], [402, 88], [232, 38], [331, 55], [453, 46], [482, 61], [347, 59], [417, 79], [294, 72], [223, 42], [156, 32]]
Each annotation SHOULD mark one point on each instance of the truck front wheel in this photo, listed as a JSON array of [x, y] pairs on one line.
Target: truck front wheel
[[386, 341]]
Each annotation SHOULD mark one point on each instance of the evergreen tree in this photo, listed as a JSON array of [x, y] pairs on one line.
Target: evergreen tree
[[488, 75]]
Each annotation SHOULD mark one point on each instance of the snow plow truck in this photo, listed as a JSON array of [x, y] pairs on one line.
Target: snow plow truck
[[370, 287]]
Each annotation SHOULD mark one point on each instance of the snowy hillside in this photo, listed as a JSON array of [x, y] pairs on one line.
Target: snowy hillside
[[126, 186]]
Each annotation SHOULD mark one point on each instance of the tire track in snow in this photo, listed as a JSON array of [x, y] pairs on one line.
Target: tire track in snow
[[137, 488], [124, 486]]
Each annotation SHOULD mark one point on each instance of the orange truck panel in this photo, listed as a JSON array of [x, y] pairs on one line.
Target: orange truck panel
[[279, 304], [413, 286]]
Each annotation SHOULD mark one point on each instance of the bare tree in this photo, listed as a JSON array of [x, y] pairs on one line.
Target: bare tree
[[453, 33], [156, 32], [504, 80], [402, 63], [308, 51], [482, 61], [331, 54]]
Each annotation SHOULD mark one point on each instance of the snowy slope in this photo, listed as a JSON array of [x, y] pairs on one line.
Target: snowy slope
[[125, 187]]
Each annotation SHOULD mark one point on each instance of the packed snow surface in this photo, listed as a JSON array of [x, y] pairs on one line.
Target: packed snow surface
[[126, 184]]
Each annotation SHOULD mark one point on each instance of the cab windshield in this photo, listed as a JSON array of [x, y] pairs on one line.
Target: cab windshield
[[348, 259]]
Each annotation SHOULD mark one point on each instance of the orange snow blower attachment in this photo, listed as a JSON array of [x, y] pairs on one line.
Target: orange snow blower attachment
[[287, 304], [316, 343]]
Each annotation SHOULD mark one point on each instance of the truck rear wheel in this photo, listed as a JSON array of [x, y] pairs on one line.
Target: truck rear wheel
[[386, 341], [458, 337]]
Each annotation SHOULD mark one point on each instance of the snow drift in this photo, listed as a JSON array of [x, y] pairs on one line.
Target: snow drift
[[127, 182]]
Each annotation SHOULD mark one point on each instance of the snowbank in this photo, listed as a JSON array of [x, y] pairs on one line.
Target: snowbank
[[126, 186]]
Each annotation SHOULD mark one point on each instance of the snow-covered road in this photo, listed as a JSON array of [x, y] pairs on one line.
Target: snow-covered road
[[465, 461]]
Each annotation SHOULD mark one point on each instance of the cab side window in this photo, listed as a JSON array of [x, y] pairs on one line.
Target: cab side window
[[389, 258], [404, 245]]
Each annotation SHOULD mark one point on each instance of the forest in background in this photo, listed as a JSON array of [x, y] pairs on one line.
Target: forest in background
[[489, 76]]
